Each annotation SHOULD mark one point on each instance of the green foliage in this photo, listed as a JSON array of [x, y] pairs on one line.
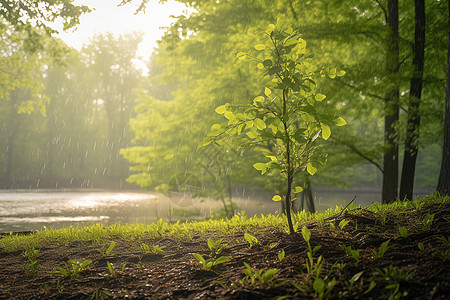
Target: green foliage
[[394, 276], [263, 276], [32, 261], [382, 250], [252, 240], [287, 116], [421, 247], [342, 223], [74, 267], [403, 232], [427, 222], [109, 250], [281, 255], [155, 249], [209, 263], [216, 247], [353, 253]]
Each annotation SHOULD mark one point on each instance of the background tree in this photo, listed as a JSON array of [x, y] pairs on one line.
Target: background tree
[[444, 176]]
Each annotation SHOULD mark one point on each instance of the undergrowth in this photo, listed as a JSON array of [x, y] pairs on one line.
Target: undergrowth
[[99, 233]]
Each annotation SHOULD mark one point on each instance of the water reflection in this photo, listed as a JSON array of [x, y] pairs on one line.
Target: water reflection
[[34, 210]]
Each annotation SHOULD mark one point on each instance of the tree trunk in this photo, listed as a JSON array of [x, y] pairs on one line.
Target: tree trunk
[[391, 106], [444, 176], [412, 128], [11, 140], [307, 196]]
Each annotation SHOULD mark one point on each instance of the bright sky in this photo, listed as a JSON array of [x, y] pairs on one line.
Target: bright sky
[[107, 17]]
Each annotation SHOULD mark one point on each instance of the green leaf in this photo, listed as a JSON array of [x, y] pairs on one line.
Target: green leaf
[[270, 28], [297, 189], [267, 63], [252, 134], [311, 169], [276, 198], [241, 55], [281, 255], [260, 166], [267, 91], [340, 122], [326, 131], [221, 260], [260, 66], [332, 73], [403, 232], [260, 47], [274, 70], [260, 124], [229, 115], [258, 99], [319, 285], [320, 97], [289, 30], [306, 233], [199, 258], [341, 73], [221, 109]]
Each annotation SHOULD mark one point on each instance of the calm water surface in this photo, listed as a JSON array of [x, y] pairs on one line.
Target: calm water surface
[[34, 210]]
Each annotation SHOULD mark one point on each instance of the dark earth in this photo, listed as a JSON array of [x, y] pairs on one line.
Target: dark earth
[[404, 271]]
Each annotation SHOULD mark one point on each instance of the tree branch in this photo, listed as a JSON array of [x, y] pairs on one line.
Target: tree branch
[[353, 148]]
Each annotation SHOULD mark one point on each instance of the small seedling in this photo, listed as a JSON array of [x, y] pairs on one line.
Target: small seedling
[[99, 294], [310, 265], [216, 247], [112, 271], [108, 251], [351, 252], [403, 232], [155, 249], [273, 245], [421, 247], [394, 276], [383, 248], [444, 255], [427, 222], [75, 267], [208, 264], [323, 288], [281, 255], [31, 255], [443, 240], [252, 274], [342, 223], [252, 241]]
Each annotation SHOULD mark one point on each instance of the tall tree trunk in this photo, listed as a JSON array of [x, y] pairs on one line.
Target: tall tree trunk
[[412, 128], [444, 176], [390, 160]]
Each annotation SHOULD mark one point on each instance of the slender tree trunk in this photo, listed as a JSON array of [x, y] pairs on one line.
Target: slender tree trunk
[[412, 128], [444, 176], [10, 142], [390, 160], [307, 195], [290, 170]]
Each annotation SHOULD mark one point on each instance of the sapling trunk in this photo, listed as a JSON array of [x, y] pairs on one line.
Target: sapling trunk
[[290, 172]]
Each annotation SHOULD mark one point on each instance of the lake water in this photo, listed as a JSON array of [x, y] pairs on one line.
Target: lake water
[[25, 210]]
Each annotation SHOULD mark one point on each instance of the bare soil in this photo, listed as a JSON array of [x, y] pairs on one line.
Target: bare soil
[[175, 274]]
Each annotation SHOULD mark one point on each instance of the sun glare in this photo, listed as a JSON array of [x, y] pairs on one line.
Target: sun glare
[[120, 20]]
